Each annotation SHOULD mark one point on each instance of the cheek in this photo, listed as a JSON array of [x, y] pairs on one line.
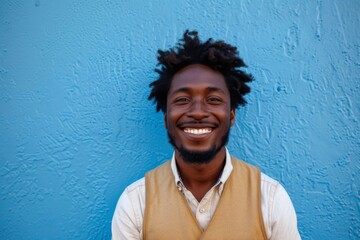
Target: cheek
[[170, 122], [224, 116], [173, 115]]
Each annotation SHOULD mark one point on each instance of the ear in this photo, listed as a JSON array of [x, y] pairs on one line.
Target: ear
[[165, 120], [232, 117]]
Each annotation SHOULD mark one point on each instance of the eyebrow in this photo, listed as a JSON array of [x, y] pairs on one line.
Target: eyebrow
[[209, 89], [215, 89]]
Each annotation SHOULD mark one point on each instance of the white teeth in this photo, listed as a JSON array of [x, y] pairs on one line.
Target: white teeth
[[197, 131]]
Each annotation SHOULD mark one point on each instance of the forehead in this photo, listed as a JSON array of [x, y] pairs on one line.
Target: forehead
[[198, 77]]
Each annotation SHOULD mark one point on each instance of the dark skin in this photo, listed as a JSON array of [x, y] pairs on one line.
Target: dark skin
[[198, 116]]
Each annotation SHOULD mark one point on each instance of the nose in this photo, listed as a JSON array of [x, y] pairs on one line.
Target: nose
[[198, 110]]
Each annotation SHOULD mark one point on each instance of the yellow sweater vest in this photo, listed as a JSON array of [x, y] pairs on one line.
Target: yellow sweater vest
[[238, 214]]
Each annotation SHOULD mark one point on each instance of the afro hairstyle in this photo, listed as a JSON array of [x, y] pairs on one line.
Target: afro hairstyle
[[217, 55]]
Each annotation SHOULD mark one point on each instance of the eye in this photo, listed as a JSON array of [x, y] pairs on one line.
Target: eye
[[182, 100], [214, 100]]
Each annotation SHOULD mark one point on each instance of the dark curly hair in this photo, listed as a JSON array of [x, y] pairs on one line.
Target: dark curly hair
[[217, 55]]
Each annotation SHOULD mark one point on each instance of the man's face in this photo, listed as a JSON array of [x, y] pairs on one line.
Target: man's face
[[198, 115]]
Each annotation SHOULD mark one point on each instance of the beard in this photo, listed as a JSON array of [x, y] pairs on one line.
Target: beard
[[199, 157]]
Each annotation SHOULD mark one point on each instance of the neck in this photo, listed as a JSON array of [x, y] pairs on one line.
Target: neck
[[200, 178]]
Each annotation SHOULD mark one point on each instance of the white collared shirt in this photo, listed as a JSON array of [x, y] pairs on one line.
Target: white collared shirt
[[277, 209]]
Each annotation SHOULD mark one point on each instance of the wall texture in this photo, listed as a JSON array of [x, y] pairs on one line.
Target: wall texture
[[76, 128]]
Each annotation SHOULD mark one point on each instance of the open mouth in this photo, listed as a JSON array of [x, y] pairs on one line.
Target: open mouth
[[197, 131]]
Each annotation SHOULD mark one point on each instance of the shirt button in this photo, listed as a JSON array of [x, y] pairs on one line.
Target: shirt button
[[202, 210]]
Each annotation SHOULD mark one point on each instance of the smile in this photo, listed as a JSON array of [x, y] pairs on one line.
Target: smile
[[198, 131]]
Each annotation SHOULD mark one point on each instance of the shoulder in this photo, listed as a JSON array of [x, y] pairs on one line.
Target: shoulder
[[159, 169], [244, 166], [269, 185], [138, 187], [273, 191], [128, 215], [135, 186], [158, 177], [132, 198], [278, 211]]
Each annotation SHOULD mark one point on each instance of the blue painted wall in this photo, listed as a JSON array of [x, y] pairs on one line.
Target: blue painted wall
[[76, 128]]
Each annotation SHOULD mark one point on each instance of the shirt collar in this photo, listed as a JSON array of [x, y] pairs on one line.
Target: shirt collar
[[223, 177]]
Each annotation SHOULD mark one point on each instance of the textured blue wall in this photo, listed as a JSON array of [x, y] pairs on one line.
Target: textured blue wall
[[76, 128]]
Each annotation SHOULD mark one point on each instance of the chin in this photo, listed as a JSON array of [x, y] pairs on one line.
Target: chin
[[198, 156]]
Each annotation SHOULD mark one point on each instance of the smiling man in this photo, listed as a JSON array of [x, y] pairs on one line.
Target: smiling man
[[202, 192]]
